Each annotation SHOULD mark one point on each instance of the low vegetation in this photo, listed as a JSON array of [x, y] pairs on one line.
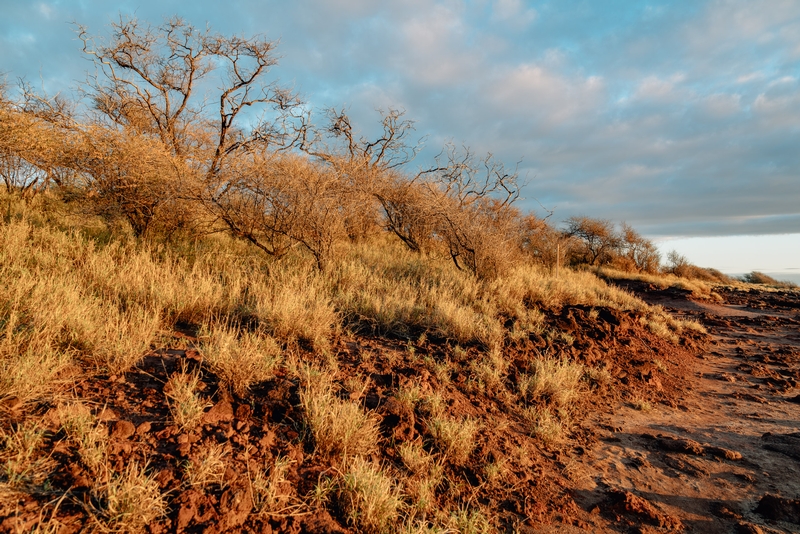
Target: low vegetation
[[289, 305]]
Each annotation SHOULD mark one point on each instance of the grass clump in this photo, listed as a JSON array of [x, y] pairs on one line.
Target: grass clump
[[83, 429], [370, 498], [556, 381], [207, 467], [241, 358], [544, 424], [185, 404], [339, 429], [455, 438], [21, 463], [272, 492], [130, 500]]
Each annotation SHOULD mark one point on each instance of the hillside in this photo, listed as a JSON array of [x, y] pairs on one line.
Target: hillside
[[167, 388]]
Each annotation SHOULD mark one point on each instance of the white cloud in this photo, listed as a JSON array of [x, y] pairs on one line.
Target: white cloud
[[45, 10], [660, 89], [552, 98], [722, 105], [513, 13]]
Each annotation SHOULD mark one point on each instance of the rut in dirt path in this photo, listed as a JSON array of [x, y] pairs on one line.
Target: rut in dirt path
[[727, 459]]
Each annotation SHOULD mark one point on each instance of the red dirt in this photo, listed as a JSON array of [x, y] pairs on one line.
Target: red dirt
[[696, 462]]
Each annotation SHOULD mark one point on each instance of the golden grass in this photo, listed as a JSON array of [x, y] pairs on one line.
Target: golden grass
[[272, 491], [130, 500], [185, 404], [240, 358], [554, 380], [455, 438], [698, 288], [369, 497], [208, 466], [339, 429], [83, 429], [21, 461]]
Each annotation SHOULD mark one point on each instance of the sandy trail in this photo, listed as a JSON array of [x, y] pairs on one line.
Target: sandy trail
[[657, 470]]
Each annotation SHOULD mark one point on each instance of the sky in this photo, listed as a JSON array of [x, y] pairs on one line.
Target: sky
[[679, 117]]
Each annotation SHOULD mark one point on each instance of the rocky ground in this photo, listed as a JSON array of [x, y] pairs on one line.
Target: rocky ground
[[725, 457], [698, 437]]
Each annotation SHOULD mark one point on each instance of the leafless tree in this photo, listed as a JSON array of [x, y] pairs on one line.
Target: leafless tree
[[472, 202], [598, 238], [157, 81], [640, 252]]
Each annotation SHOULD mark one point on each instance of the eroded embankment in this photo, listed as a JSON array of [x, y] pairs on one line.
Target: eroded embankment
[[467, 439]]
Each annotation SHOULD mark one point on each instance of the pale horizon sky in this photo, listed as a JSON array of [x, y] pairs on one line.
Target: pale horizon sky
[[680, 117]]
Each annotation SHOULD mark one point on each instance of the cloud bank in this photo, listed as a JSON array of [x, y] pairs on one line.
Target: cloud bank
[[680, 117]]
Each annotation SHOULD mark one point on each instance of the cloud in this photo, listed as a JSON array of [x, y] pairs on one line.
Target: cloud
[[513, 13], [679, 117]]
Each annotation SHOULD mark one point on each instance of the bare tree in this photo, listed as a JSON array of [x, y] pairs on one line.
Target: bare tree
[[599, 240], [151, 81], [472, 202], [639, 251]]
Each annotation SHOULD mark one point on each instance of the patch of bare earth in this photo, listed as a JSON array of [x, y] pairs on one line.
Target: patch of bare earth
[[725, 456]]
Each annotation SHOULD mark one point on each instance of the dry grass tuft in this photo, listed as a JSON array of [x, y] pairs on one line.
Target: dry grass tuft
[[83, 429], [21, 461], [272, 491], [185, 405], [454, 437], [369, 497], [555, 380], [544, 424], [208, 466], [130, 500], [241, 358], [339, 428]]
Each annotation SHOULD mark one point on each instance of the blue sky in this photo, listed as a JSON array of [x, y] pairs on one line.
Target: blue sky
[[679, 117]]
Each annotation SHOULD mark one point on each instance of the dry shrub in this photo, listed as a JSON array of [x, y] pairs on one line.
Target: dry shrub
[[281, 201], [340, 429], [240, 358], [408, 214], [369, 497], [756, 277]]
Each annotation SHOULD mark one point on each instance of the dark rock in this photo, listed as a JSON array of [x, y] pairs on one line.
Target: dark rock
[[779, 508], [788, 444]]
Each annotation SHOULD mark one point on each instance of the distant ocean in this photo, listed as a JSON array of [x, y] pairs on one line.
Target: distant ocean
[[783, 276]]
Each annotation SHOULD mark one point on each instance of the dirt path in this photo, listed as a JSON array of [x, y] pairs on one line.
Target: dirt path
[[733, 438]]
